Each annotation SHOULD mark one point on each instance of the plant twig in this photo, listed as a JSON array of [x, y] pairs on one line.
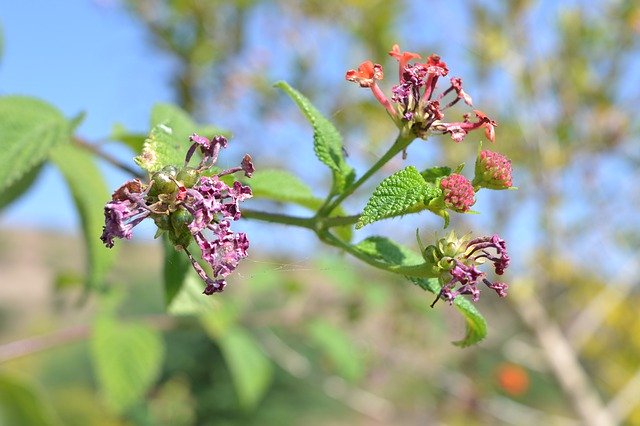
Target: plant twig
[[107, 157]]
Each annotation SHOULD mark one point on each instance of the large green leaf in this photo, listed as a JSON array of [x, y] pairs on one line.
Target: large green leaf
[[90, 193], [338, 348], [22, 405], [19, 186], [327, 141], [29, 128], [176, 266], [403, 192], [127, 360], [476, 325]]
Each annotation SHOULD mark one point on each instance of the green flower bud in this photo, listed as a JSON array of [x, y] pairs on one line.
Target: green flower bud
[[162, 182], [188, 176], [180, 220], [162, 221]]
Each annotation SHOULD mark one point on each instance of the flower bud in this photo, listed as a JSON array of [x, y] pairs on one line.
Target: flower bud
[[493, 171], [458, 192], [163, 181], [188, 176], [180, 220]]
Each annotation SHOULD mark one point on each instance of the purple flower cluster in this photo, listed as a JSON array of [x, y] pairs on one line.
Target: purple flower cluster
[[418, 109], [188, 206], [463, 271]]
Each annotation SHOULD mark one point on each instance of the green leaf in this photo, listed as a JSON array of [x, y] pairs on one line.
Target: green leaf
[[29, 128], [403, 192], [280, 185], [135, 141], [338, 347], [90, 193], [327, 141], [162, 148], [18, 187], [176, 266], [127, 360], [388, 251], [168, 141], [434, 173], [190, 300], [181, 123], [251, 370], [476, 325], [21, 404]]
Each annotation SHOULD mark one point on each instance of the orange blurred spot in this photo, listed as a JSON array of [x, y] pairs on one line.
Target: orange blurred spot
[[513, 379]]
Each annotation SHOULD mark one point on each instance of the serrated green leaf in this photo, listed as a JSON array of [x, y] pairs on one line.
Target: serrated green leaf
[[176, 267], [251, 370], [338, 347], [90, 193], [476, 325], [21, 404], [19, 186], [385, 250], [327, 141], [29, 128], [127, 360], [280, 185], [434, 173], [403, 192]]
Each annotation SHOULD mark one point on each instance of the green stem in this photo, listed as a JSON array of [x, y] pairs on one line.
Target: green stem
[[400, 144], [303, 222], [423, 270], [331, 222]]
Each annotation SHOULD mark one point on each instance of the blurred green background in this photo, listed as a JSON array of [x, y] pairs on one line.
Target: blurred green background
[[304, 335]]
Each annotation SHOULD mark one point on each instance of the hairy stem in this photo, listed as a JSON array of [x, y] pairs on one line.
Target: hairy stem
[[284, 219]]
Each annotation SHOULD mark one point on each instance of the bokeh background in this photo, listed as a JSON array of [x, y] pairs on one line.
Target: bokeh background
[[339, 343]]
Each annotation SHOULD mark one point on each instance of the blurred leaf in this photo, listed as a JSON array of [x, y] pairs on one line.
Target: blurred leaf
[[176, 266], [135, 141], [19, 186], [29, 128], [76, 121], [403, 192], [251, 370], [127, 360], [21, 405], [339, 349], [90, 193], [476, 325], [327, 141], [190, 300], [388, 251], [281, 185]]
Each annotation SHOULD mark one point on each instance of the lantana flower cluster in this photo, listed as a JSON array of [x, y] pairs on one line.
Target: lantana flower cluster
[[458, 259], [415, 106], [188, 205]]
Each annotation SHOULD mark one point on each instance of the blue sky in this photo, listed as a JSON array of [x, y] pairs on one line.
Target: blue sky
[[79, 56]]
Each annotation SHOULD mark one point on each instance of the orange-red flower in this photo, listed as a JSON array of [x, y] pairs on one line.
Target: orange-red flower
[[366, 75]]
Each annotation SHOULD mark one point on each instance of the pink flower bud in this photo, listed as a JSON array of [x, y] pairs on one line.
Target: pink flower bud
[[458, 192], [493, 171]]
